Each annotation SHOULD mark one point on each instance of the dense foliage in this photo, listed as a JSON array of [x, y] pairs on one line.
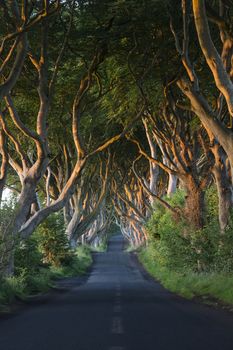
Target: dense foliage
[[178, 247]]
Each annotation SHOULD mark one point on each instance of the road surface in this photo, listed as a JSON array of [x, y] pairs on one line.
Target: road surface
[[117, 308]]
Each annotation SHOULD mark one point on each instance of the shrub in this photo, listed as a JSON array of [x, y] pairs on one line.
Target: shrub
[[223, 256], [83, 258], [39, 282], [53, 242], [28, 259], [177, 246], [170, 240], [42, 258], [6, 243], [12, 288]]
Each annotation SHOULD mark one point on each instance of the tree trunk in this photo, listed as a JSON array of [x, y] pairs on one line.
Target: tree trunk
[[202, 109], [213, 59], [194, 204], [172, 184], [67, 213], [154, 168], [224, 189], [4, 162], [72, 227]]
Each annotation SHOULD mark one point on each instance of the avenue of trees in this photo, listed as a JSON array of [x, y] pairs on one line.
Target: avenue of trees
[[117, 113]]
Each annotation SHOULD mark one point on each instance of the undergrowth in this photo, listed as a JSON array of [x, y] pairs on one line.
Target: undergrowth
[[41, 259], [190, 262], [24, 284], [192, 284]]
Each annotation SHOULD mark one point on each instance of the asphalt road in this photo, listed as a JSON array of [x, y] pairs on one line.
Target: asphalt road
[[116, 308]]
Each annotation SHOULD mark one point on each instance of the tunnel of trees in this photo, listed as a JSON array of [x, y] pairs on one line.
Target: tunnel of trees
[[116, 113]]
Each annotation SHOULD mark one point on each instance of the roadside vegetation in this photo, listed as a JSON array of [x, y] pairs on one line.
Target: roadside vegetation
[[189, 262], [42, 259]]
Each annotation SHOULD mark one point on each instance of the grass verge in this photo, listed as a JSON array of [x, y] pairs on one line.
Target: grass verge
[[20, 287], [100, 248], [206, 286]]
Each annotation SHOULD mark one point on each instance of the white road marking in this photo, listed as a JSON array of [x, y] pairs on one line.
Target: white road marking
[[117, 326]]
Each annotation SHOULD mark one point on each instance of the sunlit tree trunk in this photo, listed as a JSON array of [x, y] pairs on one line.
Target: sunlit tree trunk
[[172, 177], [194, 203], [224, 187], [202, 109], [4, 162], [154, 168], [172, 184], [213, 59]]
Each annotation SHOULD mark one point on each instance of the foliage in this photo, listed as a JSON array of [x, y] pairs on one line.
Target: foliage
[[7, 208], [83, 256], [12, 288], [177, 246], [28, 259], [189, 285], [6, 211], [52, 241], [27, 282], [188, 262], [101, 247], [42, 258], [78, 264], [168, 239]]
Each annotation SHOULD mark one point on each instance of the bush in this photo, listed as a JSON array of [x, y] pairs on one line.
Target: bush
[[40, 282], [207, 285], [28, 259], [26, 282], [42, 258], [187, 261], [12, 288], [169, 240], [6, 243], [177, 246], [80, 261], [52, 241], [221, 245], [223, 255]]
